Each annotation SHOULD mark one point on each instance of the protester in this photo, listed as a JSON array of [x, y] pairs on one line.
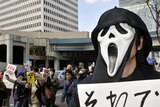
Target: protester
[[48, 87], [81, 74], [90, 70], [20, 93], [8, 91], [3, 92], [69, 86], [35, 89], [55, 84], [122, 43], [69, 67], [76, 69]]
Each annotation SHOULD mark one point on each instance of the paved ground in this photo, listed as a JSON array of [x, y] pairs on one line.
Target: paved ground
[[58, 96]]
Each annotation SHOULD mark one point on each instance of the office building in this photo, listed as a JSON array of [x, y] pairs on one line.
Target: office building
[[39, 15], [140, 7]]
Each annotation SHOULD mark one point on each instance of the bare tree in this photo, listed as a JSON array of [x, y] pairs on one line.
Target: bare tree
[[155, 12]]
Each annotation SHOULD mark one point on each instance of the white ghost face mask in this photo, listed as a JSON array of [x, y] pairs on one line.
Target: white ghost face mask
[[114, 45]]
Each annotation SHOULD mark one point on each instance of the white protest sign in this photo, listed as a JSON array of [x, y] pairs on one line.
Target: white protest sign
[[10, 69], [11, 75], [144, 93]]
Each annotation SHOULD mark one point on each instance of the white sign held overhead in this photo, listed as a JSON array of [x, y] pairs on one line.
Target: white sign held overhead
[[10, 71], [11, 75], [145, 93], [11, 67]]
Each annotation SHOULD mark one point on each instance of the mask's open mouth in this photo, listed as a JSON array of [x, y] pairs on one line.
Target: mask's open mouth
[[112, 53]]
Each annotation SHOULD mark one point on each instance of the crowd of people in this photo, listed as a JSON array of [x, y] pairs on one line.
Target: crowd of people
[[73, 77], [42, 91]]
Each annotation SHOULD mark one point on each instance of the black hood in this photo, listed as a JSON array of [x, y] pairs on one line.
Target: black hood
[[119, 15], [114, 17]]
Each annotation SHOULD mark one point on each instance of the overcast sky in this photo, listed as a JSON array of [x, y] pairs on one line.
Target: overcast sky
[[89, 12]]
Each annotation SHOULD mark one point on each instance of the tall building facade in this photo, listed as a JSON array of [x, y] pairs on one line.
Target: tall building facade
[[140, 7], [39, 15]]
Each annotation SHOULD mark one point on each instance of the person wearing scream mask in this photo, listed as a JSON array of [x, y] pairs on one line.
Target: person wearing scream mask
[[122, 43]]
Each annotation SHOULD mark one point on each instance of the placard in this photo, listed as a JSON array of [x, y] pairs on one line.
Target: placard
[[11, 67], [144, 93], [11, 75], [30, 77]]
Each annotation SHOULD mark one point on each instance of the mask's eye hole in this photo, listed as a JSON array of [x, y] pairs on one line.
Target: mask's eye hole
[[120, 29], [104, 31]]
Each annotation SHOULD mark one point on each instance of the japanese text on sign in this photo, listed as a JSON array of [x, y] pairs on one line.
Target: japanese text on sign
[[122, 94]]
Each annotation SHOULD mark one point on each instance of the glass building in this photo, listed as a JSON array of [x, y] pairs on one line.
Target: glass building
[[140, 7]]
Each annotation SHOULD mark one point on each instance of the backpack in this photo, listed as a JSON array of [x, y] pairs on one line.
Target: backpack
[[44, 92]]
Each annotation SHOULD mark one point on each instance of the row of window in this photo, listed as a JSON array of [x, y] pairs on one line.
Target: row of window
[[77, 54], [39, 24], [15, 3], [71, 2], [21, 21], [62, 4], [60, 22], [20, 15], [20, 8], [60, 15], [38, 17], [47, 31], [55, 27], [51, 31], [60, 9], [64, 30], [27, 26]]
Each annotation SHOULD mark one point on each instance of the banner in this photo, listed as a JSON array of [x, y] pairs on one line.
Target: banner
[[144, 93]]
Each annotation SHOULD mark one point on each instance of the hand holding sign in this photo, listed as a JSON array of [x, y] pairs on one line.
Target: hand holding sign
[[10, 69]]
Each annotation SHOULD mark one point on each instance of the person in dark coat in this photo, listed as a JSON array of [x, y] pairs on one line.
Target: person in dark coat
[[3, 92], [55, 84], [122, 43], [69, 86]]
